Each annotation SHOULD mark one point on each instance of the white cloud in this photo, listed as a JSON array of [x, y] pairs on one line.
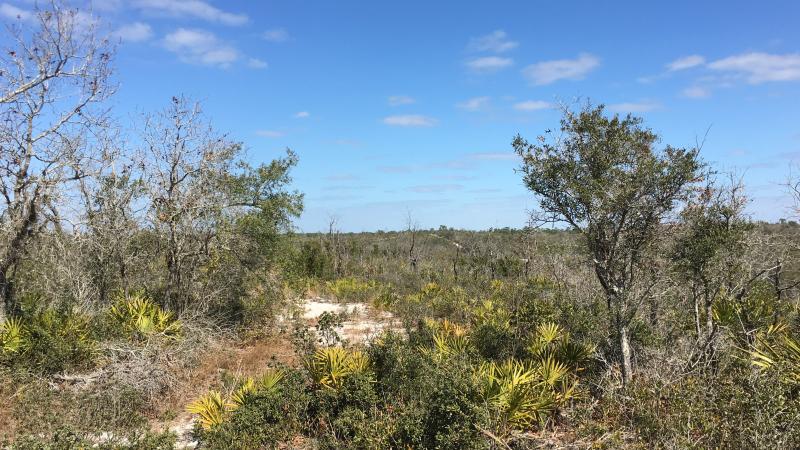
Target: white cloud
[[759, 68], [200, 47], [134, 32], [696, 92], [270, 133], [12, 12], [474, 104], [547, 72], [410, 120], [634, 107], [489, 64], [276, 35], [256, 63], [397, 100], [532, 105], [302, 115], [496, 41], [107, 5], [687, 62], [196, 9]]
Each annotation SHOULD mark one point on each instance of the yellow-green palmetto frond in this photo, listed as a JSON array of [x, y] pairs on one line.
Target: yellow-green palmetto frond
[[244, 392], [330, 366], [777, 349], [452, 328], [551, 341], [140, 315], [211, 408], [446, 345], [516, 392], [11, 335]]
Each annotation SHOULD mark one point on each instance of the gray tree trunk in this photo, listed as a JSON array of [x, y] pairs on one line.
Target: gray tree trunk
[[625, 354]]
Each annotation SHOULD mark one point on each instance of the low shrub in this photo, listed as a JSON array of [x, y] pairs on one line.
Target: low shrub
[[272, 413], [48, 341], [66, 438]]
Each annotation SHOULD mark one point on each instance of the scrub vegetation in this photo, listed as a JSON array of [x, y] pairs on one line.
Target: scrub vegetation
[[153, 291]]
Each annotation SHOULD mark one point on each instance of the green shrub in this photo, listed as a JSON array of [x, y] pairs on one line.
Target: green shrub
[[727, 410], [214, 408], [102, 408], [48, 341], [67, 439], [268, 417]]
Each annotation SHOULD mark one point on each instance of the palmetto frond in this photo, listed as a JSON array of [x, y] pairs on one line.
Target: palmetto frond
[[11, 335], [552, 342], [329, 366], [552, 371], [212, 409], [776, 348], [140, 315], [516, 392]]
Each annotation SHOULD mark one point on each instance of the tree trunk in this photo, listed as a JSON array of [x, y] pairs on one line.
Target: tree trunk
[[625, 354], [5, 294]]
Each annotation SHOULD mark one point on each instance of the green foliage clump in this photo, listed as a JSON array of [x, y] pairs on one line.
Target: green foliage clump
[[726, 410], [48, 341], [272, 412]]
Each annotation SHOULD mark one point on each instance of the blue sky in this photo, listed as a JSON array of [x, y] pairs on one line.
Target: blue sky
[[410, 107]]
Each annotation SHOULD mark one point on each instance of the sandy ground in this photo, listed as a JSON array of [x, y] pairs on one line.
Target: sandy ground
[[363, 321]]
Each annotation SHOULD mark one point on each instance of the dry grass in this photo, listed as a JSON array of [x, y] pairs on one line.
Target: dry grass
[[228, 355]]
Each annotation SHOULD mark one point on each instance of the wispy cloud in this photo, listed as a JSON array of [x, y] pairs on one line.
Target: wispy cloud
[[547, 72], [342, 177], [134, 32], [410, 120], [435, 188], [489, 64], [466, 162], [194, 9], [302, 115], [398, 100], [200, 47], [256, 63], [270, 133], [687, 62], [474, 104], [757, 68], [275, 35], [634, 107], [532, 105], [495, 156], [496, 41], [696, 92], [12, 12]]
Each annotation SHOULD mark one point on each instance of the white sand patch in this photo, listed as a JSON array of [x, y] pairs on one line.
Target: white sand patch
[[363, 321]]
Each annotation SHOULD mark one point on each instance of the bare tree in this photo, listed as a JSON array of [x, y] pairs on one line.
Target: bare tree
[[53, 77], [412, 227], [185, 166]]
